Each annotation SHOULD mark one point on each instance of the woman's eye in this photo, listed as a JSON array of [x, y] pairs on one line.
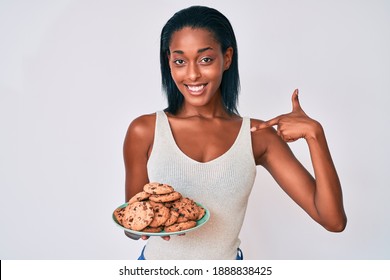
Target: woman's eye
[[206, 59], [178, 61]]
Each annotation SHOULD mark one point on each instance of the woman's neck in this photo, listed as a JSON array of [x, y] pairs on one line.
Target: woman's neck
[[207, 112]]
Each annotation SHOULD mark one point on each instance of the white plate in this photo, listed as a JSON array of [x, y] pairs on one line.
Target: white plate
[[199, 223]]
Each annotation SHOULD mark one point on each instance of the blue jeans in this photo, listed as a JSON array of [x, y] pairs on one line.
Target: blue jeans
[[240, 255]]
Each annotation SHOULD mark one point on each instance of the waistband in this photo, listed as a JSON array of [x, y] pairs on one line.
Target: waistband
[[239, 256]]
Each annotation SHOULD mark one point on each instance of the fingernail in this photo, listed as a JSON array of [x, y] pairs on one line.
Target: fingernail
[[253, 129]]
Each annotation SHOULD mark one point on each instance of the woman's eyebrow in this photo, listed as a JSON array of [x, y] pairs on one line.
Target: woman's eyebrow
[[204, 49], [199, 51]]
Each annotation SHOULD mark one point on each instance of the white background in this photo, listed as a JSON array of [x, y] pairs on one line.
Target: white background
[[74, 74]]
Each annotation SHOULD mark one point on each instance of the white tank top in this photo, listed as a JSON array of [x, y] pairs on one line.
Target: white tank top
[[222, 185]]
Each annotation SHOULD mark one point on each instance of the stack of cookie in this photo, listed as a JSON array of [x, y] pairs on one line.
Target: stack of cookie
[[159, 207]]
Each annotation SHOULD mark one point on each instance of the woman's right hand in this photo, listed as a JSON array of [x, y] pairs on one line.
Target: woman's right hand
[[166, 238]]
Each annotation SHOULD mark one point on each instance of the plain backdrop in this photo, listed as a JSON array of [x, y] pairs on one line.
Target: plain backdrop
[[74, 74]]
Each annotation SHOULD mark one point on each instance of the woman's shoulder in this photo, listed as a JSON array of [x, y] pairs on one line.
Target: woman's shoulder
[[262, 139], [257, 122], [264, 132], [143, 121], [142, 126]]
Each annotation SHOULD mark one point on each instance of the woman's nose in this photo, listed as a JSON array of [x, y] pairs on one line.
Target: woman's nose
[[193, 72]]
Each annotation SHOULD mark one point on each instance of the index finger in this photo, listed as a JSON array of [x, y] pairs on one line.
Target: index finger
[[266, 124]]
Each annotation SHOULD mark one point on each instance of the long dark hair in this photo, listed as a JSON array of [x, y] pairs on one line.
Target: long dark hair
[[200, 17]]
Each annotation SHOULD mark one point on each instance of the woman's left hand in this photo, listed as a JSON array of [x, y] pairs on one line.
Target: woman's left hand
[[294, 125]]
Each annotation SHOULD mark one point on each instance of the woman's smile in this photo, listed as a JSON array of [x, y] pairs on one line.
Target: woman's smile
[[196, 90]]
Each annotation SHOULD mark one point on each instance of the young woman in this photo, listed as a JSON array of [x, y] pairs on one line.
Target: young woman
[[202, 147]]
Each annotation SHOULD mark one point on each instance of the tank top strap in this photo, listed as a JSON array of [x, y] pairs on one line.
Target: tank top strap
[[163, 133]]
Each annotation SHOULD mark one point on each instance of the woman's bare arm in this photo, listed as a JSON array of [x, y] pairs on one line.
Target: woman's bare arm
[[320, 197], [136, 150]]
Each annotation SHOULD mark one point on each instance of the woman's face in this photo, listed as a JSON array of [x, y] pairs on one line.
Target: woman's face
[[197, 64]]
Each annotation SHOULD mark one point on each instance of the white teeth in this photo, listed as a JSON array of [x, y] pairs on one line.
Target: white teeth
[[195, 88]]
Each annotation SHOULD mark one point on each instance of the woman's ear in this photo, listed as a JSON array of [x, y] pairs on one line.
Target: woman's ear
[[228, 56]]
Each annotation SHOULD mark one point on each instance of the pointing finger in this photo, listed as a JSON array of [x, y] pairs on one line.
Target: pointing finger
[[266, 124]]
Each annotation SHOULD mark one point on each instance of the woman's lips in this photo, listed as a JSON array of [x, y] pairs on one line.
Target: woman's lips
[[196, 89]]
